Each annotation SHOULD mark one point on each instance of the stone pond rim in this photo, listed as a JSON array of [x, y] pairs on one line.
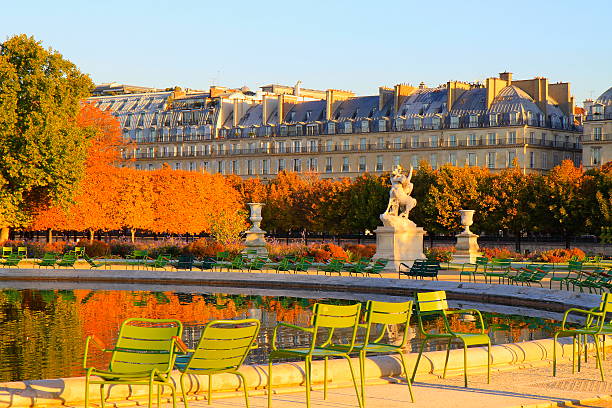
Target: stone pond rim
[[517, 296]]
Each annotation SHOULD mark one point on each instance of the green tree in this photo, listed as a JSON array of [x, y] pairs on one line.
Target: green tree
[[42, 147]]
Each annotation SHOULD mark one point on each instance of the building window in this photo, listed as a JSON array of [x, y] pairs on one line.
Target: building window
[[362, 163], [331, 128], [435, 122], [492, 138], [415, 161], [454, 122], [283, 130], [452, 140], [414, 141], [491, 160], [511, 157], [511, 137], [250, 167], [297, 165], [177, 166], [531, 138], [281, 164], [396, 160], [329, 146], [452, 158], [234, 167], [513, 118], [328, 165], [544, 160], [493, 119], [380, 144], [399, 124], [532, 160], [128, 120], [417, 122], [379, 163], [363, 143], [433, 141], [348, 127], [312, 146], [433, 160], [471, 159], [397, 142], [150, 166], [597, 134], [346, 144], [313, 164], [265, 166], [382, 125], [280, 147], [308, 116], [365, 126], [473, 120], [596, 156], [311, 129], [297, 146], [472, 139], [206, 166], [154, 120], [345, 164], [137, 166], [221, 167]]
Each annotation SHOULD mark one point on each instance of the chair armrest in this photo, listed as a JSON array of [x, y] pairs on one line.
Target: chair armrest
[[92, 338], [470, 311], [290, 326], [180, 344]]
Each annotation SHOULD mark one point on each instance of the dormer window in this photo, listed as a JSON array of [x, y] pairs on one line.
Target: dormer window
[[598, 110], [308, 115], [542, 120], [473, 120], [291, 116], [493, 119], [128, 120], [382, 125], [399, 124], [154, 120], [348, 127], [513, 118], [331, 128], [141, 120], [454, 122], [283, 130], [365, 126], [417, 122], [435, 122]]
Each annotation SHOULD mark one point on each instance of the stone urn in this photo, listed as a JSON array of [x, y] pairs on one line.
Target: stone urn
[[256, 215], [467, 219]]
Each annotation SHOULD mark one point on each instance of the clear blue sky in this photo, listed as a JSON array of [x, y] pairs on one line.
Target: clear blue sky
[[356, 45]]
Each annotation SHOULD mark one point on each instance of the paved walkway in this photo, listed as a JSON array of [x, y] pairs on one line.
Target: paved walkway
[[530, 387]]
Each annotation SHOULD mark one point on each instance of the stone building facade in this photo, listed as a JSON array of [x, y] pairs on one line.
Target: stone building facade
[[597, 131], [335, 133]]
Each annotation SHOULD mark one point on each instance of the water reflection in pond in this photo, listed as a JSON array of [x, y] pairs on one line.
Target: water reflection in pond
[[43, 331]]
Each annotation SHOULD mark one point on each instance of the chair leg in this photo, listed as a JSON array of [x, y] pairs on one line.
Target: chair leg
[[246, 394], [447, 355], [357, 393], [87, 391], [209, 389], [416, 365], [307, 368], [465, 376], [573, 354], [489, 363], [405, 368], [102, 396], [269, 383], [601, 370], [362, 356], [325, 378], [182, 378], [150, 392], [579, 352], [159, 389]]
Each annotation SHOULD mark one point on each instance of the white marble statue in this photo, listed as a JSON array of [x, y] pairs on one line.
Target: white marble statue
[[400, 201]]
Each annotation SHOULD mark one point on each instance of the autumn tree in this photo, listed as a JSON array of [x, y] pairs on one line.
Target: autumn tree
[[42, 147]]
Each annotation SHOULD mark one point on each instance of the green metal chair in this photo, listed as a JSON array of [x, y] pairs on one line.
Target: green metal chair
[[12, 260], [68, 260], [377, 267], [303, 264], [594, 326], [78, 251], [471, 269], [143, 355], [434, 304], [222, 260], [284, 265], [6, 251], [378, 317], [22, 252], [139, 257], [93, 263], [334, 265], [222, 348], [325, 319], [48, 260]]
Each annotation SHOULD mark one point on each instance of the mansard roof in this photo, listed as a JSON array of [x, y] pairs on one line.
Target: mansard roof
[[606, 97]]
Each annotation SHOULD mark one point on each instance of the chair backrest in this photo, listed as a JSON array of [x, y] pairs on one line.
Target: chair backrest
[[140, 253], [223, 346], [432, 301], [335, 317], [22, 251], [482, 260], [222, 256], [48, 256], [6, 251], [574, 266], [387, 313], [145, 344]]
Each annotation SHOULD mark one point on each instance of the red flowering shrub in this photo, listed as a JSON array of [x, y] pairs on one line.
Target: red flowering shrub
[[95, 248], [500, 253], [360, 250], [561, 255], [440, 254]]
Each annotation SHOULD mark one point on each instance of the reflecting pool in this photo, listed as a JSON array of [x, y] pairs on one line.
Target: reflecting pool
[[43, 331]]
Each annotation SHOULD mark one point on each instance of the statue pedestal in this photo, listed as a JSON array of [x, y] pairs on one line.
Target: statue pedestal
[[467, 248], [399, 245], [255, 243]]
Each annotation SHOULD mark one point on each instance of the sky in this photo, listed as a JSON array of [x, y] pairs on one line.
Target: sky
[[353, 45]]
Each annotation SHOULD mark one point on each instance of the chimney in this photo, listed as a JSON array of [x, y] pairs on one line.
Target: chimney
[[281, 108], [384, 95], [494, 86], [400, 93], [329, 103], [506, 76], [454, 91]]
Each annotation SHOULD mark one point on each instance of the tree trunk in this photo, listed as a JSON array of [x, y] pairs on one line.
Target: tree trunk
[[49, 236], [133, 233], [4, 234], [91, 236], [517, 242], [567, 237]]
